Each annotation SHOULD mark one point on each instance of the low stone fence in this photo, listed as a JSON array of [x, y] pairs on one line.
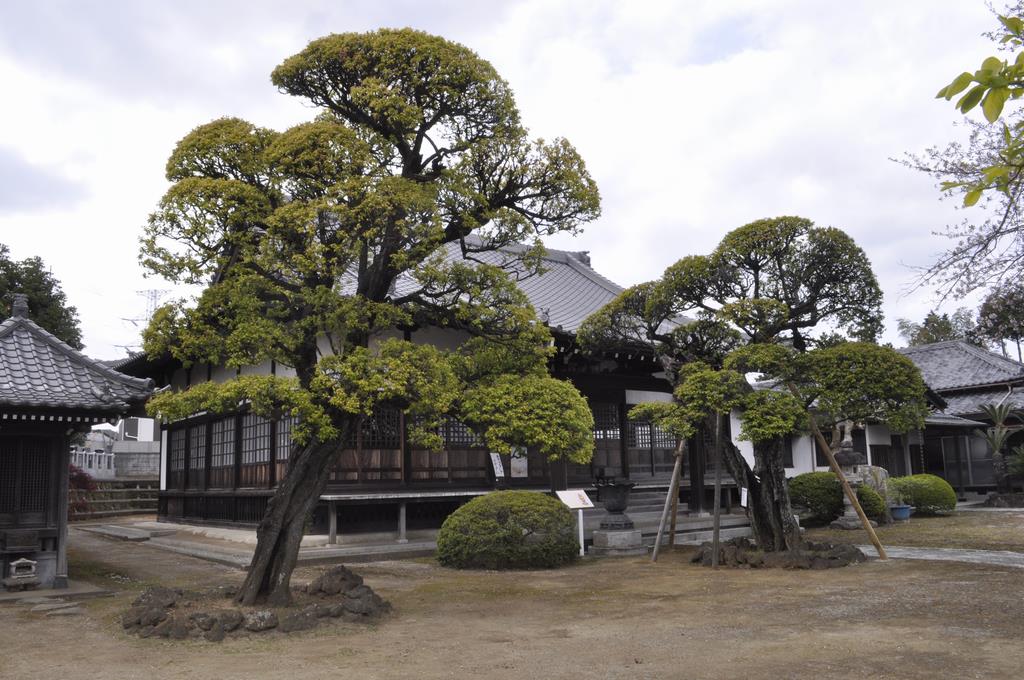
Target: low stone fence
[[111, 499]]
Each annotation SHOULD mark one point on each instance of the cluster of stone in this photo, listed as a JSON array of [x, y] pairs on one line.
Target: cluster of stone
[[167, 612], [1005, 500], [742, 552]]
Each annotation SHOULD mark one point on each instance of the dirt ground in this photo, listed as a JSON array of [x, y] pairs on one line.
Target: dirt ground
[[611, 618]]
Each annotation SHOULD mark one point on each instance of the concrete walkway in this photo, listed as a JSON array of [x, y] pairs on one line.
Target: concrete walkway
[[998, 558]]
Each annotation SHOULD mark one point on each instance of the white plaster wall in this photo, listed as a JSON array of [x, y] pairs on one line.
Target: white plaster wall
[[803, 455], [259, 369], [746, 448], [644, 396], [163, 460], [222, 374]]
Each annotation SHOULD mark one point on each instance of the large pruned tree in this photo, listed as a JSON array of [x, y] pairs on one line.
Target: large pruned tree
[[781, 282], [374, 216], [47, 303], [935, 327]]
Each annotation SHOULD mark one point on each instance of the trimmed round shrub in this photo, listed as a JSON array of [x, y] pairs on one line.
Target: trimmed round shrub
[[819, 492], [508, 530], [871, 502], [822, 494], [930, 495]]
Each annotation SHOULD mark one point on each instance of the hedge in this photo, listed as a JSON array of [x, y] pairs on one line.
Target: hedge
[[930, 495], [508, 530], [822, 494]]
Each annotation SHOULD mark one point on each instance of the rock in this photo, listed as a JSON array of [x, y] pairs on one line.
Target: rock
[[320, 611], [151, 616], [336, 610], [230, 619], [215, 633], [259, 621], [163, 629], [145, 631], [304, 620], [131, 618], [158, 596], [333, 581], [203, 620], [180, 628]]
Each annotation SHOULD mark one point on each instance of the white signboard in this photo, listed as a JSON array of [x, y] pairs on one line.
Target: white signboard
[[520, 467], [743, 496], [576, 499], [499, 469]]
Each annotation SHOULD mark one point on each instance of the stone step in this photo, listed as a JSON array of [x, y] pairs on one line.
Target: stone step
[[118, 532]]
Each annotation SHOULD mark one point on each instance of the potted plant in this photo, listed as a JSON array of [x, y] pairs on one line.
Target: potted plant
[[898, 508]]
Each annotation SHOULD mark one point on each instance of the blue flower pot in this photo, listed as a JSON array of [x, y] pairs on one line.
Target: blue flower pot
[[900, 513]]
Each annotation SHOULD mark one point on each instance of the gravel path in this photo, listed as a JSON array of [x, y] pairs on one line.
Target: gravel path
[[999, 558]]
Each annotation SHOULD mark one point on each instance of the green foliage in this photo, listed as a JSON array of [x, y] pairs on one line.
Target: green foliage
[[940, 328], [303, 234], [822, 494], [864, 383], [927, 493], [871, 502], [1015, 461], [47, 304], [669, 416], [770, 414], [533, 411], [508, 530]]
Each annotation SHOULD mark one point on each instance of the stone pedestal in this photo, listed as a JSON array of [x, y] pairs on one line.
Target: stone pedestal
[[849, 519], [618, 542]]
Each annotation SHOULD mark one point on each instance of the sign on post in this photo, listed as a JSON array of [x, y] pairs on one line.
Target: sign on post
[[576, 499], [499, 469]]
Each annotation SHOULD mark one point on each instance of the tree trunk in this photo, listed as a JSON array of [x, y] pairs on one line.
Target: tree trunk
[[768, 507], [280, 531]]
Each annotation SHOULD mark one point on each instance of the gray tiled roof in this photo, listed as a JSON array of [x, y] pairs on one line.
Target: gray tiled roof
[[969, 403], [944, 419], [955, 364], [564, 294], [39, 371]]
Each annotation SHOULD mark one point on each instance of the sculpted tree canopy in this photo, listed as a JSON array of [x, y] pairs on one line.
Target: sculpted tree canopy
[[47, 303], [770, 291], [329, 233]]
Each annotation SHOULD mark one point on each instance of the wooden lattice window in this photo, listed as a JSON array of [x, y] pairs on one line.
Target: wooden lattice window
[[457, 435], [8, 474], [255, 439], [382, 430], [283, 445], [35, 475], [662, 439], [639, 436], [197, 447], [176, 458], [606, 421], [222, 446]]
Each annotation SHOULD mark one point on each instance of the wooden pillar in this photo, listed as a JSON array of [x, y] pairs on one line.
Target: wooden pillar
[[63, 459], [697, 468], [623, 439], [332, 522], [406, 451], [401, 523]]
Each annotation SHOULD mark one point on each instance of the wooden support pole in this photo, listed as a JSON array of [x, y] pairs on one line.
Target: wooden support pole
[[716, 529], [847, 489], [673, 489]]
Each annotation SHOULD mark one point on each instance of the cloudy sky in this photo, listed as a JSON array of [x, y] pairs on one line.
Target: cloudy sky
[[695, 117]]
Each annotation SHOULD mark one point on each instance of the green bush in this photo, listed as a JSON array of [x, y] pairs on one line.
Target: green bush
[[822, 494], [819, 492], [928, 494], [871, 502], [508, 530]]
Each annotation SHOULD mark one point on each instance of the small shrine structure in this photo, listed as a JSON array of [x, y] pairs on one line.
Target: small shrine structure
[[48, 392]]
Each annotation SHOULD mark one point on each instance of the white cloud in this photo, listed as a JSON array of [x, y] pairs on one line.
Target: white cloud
[[694, 117]]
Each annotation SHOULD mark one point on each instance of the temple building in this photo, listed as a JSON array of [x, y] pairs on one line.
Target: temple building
[[48, 393]]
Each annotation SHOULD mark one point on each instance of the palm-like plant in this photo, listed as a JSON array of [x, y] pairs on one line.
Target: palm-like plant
[[997, 435]]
